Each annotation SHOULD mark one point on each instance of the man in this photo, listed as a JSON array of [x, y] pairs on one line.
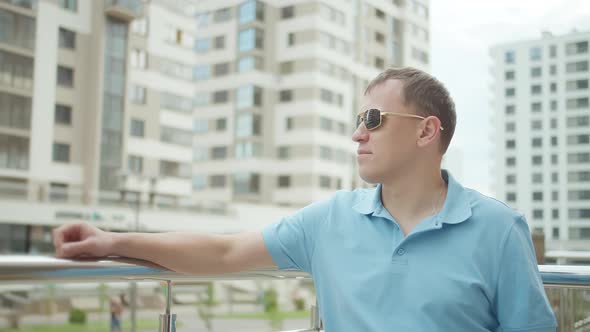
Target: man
[[116, 307], [417, 253]]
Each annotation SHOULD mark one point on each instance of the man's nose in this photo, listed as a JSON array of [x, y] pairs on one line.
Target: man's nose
[[361, 133]]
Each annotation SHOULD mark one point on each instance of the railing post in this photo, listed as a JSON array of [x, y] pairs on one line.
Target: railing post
[[168, 320], [316, 322]]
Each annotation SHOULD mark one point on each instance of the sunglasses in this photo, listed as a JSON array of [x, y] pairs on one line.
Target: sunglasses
[[373, 118]]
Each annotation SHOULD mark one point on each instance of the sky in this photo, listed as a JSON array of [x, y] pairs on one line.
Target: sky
[[462, 33]]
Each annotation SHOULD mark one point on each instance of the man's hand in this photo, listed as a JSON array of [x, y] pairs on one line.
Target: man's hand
[[82, 240]]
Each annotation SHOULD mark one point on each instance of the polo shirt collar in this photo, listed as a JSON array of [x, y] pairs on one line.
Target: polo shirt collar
[[456, 209]]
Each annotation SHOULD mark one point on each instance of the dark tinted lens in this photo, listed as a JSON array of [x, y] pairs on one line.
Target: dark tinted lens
[[372, 118]]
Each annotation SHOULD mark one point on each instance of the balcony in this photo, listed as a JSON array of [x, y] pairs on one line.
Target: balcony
[[560, 282], [126, 10]]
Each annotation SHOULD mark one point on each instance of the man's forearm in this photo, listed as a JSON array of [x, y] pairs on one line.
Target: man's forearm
[[181, 252]]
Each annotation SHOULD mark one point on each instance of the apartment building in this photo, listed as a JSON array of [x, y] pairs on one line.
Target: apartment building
[[542, 134]]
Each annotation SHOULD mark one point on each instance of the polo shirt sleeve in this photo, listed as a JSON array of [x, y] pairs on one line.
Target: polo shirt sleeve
[[291, 240], [521, 303]]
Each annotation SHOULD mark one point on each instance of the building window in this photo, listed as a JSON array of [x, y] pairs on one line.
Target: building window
[[379, 14], [289, 124], [511, 179], [175, 169], [137, 128], [285, 96], [509, 75], [537, 142], [248, 96], [510, 161], [510, 109], [287, 12], [248, 124], [140, 26], [325, 182], [576, 48], [509, 57], [175, 103], [510, 92], [379, 37], [219, 42], [217, 181], [137, 95], [250, 39], [65, 76], [325, 124], [536, 107], [510, 144], [326, 153], [176, 136], [220, 97], [251, 10], [63, 114], [221, 15], [201, 72], [535, 53], [221, 124], [246, 183], [284, 152], [135, 164], [248, 150], [202, 45], [61, 152], [138, 59], [538, 196], [577, 103], [67, 39], [71, 5], [554, 159], [200, 153], [199, 182], [537, 124], [536, 72], [221, 69], [284, 181], [536, 89], [290, 39], [537, 214], [200, 126], [576, 67], [575, 85], [553, 140], [537, 178], [250, 62], [537, 160], [510, 127], [511, 197]]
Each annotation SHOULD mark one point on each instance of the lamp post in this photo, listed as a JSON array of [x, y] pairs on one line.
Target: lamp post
[[136, 210]]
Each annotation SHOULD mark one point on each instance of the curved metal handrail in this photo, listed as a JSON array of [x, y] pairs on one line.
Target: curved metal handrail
[[24, 269], [21, 268]]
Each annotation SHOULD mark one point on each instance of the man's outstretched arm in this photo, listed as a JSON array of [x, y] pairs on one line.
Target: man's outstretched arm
[[181, 252]]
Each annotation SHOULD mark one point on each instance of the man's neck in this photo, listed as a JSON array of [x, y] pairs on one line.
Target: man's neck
[[412, 197]]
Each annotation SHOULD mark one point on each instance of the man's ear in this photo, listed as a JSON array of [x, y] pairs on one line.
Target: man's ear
[[428, 130]]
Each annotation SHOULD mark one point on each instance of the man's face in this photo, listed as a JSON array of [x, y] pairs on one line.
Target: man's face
[[385, 150]]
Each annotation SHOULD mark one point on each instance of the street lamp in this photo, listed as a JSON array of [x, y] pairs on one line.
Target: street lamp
[[123, 176]]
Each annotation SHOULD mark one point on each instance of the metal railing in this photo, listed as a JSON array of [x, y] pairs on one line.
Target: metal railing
[[41, 269]]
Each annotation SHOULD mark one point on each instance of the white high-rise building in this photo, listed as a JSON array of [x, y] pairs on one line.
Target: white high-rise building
[[278, 86], [542, 136]]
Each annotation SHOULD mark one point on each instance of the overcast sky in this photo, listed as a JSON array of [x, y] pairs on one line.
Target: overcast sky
[[462, 32]]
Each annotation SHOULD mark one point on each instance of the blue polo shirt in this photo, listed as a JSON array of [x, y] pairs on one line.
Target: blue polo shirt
[[471, 267]]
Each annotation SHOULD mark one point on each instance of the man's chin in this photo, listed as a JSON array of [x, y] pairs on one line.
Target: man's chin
[[369, 178]]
